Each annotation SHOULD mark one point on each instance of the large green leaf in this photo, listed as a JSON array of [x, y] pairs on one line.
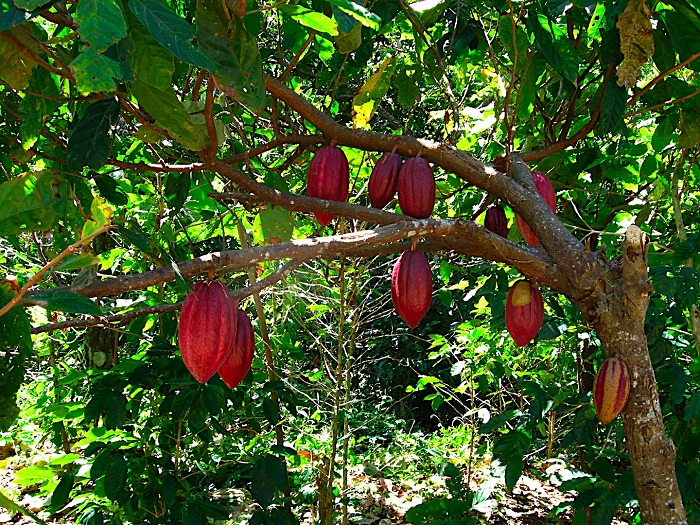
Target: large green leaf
[[358, 12], [684, 34], [269, 476], [91, 141], [372, 92], [15, 67], [150, 61], [612, 109], [15, 348], [555, 46], [95, 72], [11, 505], [169, 112], [63, 301], [311, 19], [26, 203], [11, 16], [101, 22], [36, 108], [234, 52], [173, 33]]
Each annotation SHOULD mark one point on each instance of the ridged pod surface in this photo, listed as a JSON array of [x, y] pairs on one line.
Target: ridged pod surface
[[412, 287], [328, 178], [238, 362], [384, 180], [611, 388], [524, 312], [495, 220], [544, 188], [207, 328], [416, 188]]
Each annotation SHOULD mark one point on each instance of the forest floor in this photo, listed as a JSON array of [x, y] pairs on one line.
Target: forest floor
[[375, 501]]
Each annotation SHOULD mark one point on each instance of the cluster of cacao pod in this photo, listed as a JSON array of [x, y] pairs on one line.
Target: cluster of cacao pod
[[328, 178], [215, 335], [611, 387], [495, 220]]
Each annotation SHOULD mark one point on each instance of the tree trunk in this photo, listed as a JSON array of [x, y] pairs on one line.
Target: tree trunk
[[618, 319]]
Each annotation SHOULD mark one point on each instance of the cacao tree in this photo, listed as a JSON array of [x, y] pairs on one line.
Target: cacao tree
[[174, 125]]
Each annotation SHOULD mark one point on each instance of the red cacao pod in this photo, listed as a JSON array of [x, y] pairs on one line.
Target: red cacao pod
[[384, 180], [611, 388], [412, 287], [238, 362], [495, 220], [544, 188], [328, 178], [416, 188], [524, 312], [207, 328]]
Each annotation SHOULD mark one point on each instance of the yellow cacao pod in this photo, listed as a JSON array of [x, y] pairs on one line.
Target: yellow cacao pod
[[610, 389]]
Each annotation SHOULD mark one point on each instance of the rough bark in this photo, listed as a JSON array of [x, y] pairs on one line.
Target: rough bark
[[617, 313]]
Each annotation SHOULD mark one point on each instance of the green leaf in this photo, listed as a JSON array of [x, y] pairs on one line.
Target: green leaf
[[11, 505], [276, 225], [270, 411], [409, 92], [94, 72], [349, 42], [76, 262], [371, 93], [91, 142], [173, 33], [514, 469], [612, 110], [664, 55], [684, 35], [115, 475], [177, 187], [26, 203], [269, 476], [150, 61], [30, 5], [69, 302], [61, 493], [169, 112], [234, 52], [116, 411], [101, 22], [11, 16], [110, 190], [358, 12], [15, 67], [34, 108], [429, 11], [529, 86], [505, 35], [311, 19], [555, 46]]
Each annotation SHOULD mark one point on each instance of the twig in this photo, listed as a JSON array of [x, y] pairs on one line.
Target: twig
[[663, 104], [660, 77], [37, 276]]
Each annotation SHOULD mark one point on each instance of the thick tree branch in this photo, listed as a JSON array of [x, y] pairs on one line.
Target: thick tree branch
[[530, 262]]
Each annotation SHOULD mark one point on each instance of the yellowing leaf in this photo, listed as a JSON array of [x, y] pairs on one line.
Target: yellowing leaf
[[371, 93]]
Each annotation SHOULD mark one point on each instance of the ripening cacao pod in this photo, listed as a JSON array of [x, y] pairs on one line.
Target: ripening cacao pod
[[416, 188], [238, 362], [611, 388], [524, 312], [495, 220], [207, 328], [544, 188], [384, 180], [328, 178], [412, 287]]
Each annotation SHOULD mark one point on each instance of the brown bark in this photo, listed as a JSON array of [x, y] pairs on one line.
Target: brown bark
[[617, 314]]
